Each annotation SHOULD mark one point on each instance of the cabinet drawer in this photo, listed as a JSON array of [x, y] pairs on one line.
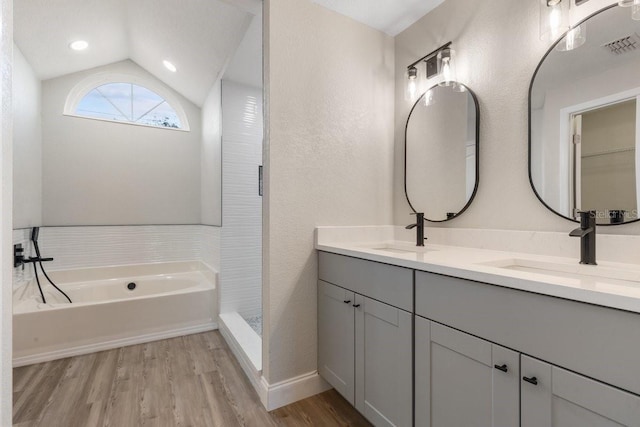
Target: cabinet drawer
[[389, 284], [597, 341]]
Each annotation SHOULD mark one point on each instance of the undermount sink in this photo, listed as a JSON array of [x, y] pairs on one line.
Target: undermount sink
[[593, 273], [400, 248]]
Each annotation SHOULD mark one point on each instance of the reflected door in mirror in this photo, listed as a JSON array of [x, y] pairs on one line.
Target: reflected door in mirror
[[585, 124]]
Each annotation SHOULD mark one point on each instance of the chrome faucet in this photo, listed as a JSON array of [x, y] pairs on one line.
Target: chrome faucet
[[587, 234], [419, 226]]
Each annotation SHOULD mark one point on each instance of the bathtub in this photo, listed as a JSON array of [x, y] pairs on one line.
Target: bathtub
[[168, 300]]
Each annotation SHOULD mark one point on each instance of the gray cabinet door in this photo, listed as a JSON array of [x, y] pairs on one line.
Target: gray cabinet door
[[462, 380], [336, 338], [554, 397], [383, 363]]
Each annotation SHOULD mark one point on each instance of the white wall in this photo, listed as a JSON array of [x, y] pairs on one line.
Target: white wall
[[211, 158], [498, 50], [97, 172], [329, 160], [6, 208], [241, 248], [27, 144]]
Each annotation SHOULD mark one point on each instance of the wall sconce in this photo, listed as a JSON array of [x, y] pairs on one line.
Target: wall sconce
[[447, 67], [635, 8], [439, 62], [554, 19], [554, 22], [634, 5]]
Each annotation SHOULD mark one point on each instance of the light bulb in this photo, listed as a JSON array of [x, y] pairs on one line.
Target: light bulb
[[554, 18], [447, 67], [411, 89], [446, 70]]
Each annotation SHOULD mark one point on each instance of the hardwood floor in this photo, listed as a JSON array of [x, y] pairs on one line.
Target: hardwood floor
[[187, 381]]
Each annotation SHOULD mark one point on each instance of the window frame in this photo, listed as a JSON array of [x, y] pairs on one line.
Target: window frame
[[86, 85]]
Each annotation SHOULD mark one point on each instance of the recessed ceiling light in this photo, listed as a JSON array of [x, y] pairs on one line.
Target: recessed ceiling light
[[79, 45], [169, 66]]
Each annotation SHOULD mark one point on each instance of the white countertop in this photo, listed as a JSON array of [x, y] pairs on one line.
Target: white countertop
[[475, 264]]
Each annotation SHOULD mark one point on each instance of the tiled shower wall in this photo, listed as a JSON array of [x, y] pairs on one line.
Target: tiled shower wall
[[82, 247], [241, 260]]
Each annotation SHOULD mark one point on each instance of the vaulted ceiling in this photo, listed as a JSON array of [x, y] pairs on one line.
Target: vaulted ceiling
[[198, 36]]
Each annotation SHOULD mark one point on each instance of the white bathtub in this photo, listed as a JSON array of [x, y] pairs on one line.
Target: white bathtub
[[169, 299]]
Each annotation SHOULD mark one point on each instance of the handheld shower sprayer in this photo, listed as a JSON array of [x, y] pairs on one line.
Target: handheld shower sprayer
[[35, 232]]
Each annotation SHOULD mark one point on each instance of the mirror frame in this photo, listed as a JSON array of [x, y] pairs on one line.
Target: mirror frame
[[533, 78], [477, 128]]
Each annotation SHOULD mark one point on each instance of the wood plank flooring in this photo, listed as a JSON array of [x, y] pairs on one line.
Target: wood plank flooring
[[187, 381]]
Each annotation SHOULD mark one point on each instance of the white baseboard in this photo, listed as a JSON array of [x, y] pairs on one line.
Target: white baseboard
[[110, 344], [289, 391], [274, 396]]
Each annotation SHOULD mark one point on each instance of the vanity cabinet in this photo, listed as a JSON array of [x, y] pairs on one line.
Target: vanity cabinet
[[336, 331], [365, 344], [462, 380], [477, 354], [554, 397]]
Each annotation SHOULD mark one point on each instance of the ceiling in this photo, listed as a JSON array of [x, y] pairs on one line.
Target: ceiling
[[246, 65], [199, 36], [389, 16]]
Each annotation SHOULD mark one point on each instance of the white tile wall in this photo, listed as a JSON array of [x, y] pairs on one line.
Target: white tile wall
[[241, 246], [82, 247]]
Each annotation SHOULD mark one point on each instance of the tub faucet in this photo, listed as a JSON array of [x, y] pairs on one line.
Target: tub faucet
[[587, 235], [419, 226]]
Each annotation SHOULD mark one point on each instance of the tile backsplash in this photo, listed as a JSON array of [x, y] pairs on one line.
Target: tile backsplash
[[83, 247]]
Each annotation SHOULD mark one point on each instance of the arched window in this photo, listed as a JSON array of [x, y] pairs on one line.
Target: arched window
[[125, 102]]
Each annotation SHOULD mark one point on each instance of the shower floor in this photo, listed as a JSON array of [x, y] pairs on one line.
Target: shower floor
[[256, 323]]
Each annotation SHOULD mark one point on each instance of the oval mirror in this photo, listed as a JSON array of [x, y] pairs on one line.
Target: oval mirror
[[584, 121], [441, 152]]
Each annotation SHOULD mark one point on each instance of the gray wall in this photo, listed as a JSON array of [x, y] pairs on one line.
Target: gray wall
[[97, 172], [27, 144]]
